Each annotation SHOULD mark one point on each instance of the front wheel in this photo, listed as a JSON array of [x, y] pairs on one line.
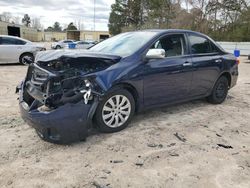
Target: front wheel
[[115, 111], [26, 59], [220, 91]]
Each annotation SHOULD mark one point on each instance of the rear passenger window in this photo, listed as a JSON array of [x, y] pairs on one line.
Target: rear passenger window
[[200, 45], [19, 42]]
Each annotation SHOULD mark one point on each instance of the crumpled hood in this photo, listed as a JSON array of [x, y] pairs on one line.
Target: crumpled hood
[[51, 55]]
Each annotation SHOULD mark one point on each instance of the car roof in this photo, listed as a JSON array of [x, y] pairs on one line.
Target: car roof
[[162, 31], [85, 41]]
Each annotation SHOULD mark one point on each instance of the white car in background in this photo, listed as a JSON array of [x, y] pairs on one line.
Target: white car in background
[[61, 44], [15, 49], [85, 44]]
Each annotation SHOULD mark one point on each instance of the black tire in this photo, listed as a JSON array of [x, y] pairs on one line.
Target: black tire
[[98, 118], [220, 91], [26, 59], [58, 47]]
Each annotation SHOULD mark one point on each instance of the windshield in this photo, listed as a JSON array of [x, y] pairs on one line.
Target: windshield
[[124, 44]]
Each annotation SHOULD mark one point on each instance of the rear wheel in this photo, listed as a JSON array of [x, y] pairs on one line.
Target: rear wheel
[[26, 58], [115, 111], [220, 91]]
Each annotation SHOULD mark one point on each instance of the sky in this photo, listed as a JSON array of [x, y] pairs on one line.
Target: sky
[[80, 12]]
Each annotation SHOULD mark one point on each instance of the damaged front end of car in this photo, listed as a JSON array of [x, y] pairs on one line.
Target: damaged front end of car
[[60, 94]]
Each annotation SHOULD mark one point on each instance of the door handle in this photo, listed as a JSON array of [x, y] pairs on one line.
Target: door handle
[[187, 64], [218, 60]]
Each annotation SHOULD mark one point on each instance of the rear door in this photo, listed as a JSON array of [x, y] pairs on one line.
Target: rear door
[[11, 49], [7, 50], [168, 80], [207, 63]]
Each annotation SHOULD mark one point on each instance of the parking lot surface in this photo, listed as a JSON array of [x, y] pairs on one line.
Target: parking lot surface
[[194, 144]]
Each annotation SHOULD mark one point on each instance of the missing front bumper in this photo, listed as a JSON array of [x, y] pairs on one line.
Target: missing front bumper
[[65, 124]]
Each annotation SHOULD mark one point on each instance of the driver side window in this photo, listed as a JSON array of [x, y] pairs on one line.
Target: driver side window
[[174, 45]]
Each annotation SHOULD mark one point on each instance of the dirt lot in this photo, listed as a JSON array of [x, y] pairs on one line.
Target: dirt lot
[[146, 154]]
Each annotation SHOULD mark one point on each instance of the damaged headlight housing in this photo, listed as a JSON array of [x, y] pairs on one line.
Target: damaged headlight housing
[[87, 93], [71, 90], [88, 83], [92, 88]]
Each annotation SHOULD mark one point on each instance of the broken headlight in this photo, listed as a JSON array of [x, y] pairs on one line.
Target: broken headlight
[[87, 93], [88, 83], [91, 89]]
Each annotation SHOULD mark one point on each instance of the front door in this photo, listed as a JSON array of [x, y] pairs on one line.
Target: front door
[[168, 80], [10, 50]]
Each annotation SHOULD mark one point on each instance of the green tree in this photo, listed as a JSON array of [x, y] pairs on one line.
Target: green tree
[[49, 29], [226, 20], [57, 27], [134, 13], [26, 20], [71, 26], [117, 17], [160, 12]]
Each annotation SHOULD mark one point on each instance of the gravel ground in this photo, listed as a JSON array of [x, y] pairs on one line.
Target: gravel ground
[[176, 146]]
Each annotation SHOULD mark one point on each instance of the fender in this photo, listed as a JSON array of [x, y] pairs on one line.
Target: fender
[[227, 74]]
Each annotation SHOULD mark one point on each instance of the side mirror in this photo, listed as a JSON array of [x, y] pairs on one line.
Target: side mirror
[[156, 54]]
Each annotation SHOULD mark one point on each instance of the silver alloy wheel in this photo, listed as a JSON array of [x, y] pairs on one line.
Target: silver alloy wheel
[[116, 111]]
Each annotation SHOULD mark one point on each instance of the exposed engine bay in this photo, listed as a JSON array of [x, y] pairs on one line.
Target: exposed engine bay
[[66, 79]]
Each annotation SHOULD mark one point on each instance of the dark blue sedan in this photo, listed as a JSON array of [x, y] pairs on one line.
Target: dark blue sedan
[[64, 92]]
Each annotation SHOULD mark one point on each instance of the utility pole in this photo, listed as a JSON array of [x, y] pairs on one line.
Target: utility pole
[[94, 14]]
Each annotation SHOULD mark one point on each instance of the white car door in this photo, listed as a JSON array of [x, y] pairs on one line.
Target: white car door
[[10, 49], [5, 50]]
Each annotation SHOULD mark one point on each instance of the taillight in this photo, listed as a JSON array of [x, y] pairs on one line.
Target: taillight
[[238, 61]]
